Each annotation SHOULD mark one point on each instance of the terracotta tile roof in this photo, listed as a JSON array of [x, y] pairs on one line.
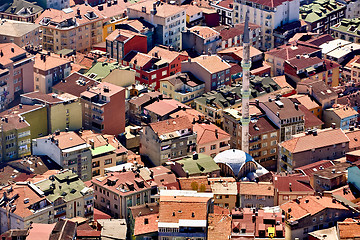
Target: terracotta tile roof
[[190, 113], [165, 106], [163, 10], [125, 183], [349, 229], [146, 224], [324, 137], [144, 210], [144, 98], [99, 139], [191, 10], [344, 191], [40, 231], [122, 35], [306, 101], [287, 111], [281, 81], [171, 125], [311, 121], [12, 121], [344, 111], [271, 3], [227, 32], [188, 183], [9, 51], [165, 54], [226, 4], [203, 31], [354, 137], [207, 133], [311, 168], [161, 176], [66, 139], [257, 189], [310, 205], [138, 58], [75, 84], [114, 10], [238, 51], [304, 62], [212, 64], [261, 125], [100, 215], [174, 208], [50, 62], [321, 39], [299, 183], [100, 89], [88, 233], [290, 50], [219, 226]]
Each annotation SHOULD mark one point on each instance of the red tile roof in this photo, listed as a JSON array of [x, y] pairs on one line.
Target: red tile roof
[[66, 139], [297, 183], [146, 224], [165, 106], [230, 32], [219, 226], [349, 229], [207, 133], [9, 50], [269, 3], [171, 125], [311, 168], [290, 50], [100, 215]]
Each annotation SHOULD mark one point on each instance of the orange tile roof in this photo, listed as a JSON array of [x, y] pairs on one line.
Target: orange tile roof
[[258, 189], [187, 183], [204, 32], [165, 106], [310, 205], [50, 62], [122, 35], [349, 229], [354, 137], [146, 224], [207, 133], [165, 54], [190, 113], [219, 226], [66, 139], [191, 10], [9, 50], [212, 63], [171, 125], [306, 101], [324, 137], [163, 10], [344, 111], [40, 231]]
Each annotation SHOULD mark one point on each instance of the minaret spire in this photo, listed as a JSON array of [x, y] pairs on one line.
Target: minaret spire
[[245, 64]]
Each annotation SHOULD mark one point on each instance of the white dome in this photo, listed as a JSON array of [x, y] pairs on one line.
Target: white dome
[[233, 158]]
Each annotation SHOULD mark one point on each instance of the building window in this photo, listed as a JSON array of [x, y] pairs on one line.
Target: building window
[[285, 197], [108, 161], [202, 150], [213, 147], [265, 136]]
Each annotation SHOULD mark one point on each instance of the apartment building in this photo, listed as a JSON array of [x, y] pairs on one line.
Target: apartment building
[[104, 108], [320, 15], [269, 15], [276, 57], [339, 116], [183, 214], [20, 10], [263, 135], [120, 42], [169, 20], [194, 15], [77, 28], [306, 148], [63, 111], [211, 139], [232, 36], [183, 87], [286, 115], [212, 70], [225, 9], [162, 110], [331, 178], [45, 201], [255, 194], [352, 9], [16, 73], [195, 165], [137, 105], [225, 191], [351, 71], [347, 29], [167, 140], [21, 33], [55, 4], [302, 68], [312, 213], [202, 39], [117, 192], [66, 149], [49, 69], [309, 103]]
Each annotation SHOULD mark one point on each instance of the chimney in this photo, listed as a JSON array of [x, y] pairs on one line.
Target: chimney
[[333, 125], [78, 11], [12, 49], [189, 60], [92, 143], [216, 133], [296, 106], [195, 156], [153, 11]]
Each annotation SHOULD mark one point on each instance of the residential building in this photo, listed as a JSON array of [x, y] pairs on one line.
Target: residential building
[[201, 39], [240, 165], [211, 139], [183, 214], [138, 103], [113, 228], [225, 192], [20, 10], [320, 15], [225, 11], [197, 183], [161, 110], [45, 201], [219, 224], [57, 4], [311, 168], [68, 195], [143, 221], [263, 136], [302, 68], [102, 152], [66, 149], [167, 140], [284, 34], [162, 176], [320, 91], [21, 33], [258, 224], [74, 84], [347, 29], [312, 213], [77, 28], [351, 71], [212, 70], [235, 54], [353, 134], [168, 20], [183, 87], [104, 108], [120, 42], [112, 73], [311, 121], [352, 9], [117, 192], [286, 115], [340, 116], [232, 36], [63, 111], [348, 229], [353, 176], [276, 57], [195, 165], [49, 69], [269, 15], [291, 187], [16, 73], [306, 148], [330, 178], [309, 103], [340, 51], [255, 194], [194, 15]]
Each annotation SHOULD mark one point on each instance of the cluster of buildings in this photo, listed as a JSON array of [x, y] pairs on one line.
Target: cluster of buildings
[[170, 120]]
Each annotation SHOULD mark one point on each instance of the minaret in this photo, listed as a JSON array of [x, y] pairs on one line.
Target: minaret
[[245, 64]]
